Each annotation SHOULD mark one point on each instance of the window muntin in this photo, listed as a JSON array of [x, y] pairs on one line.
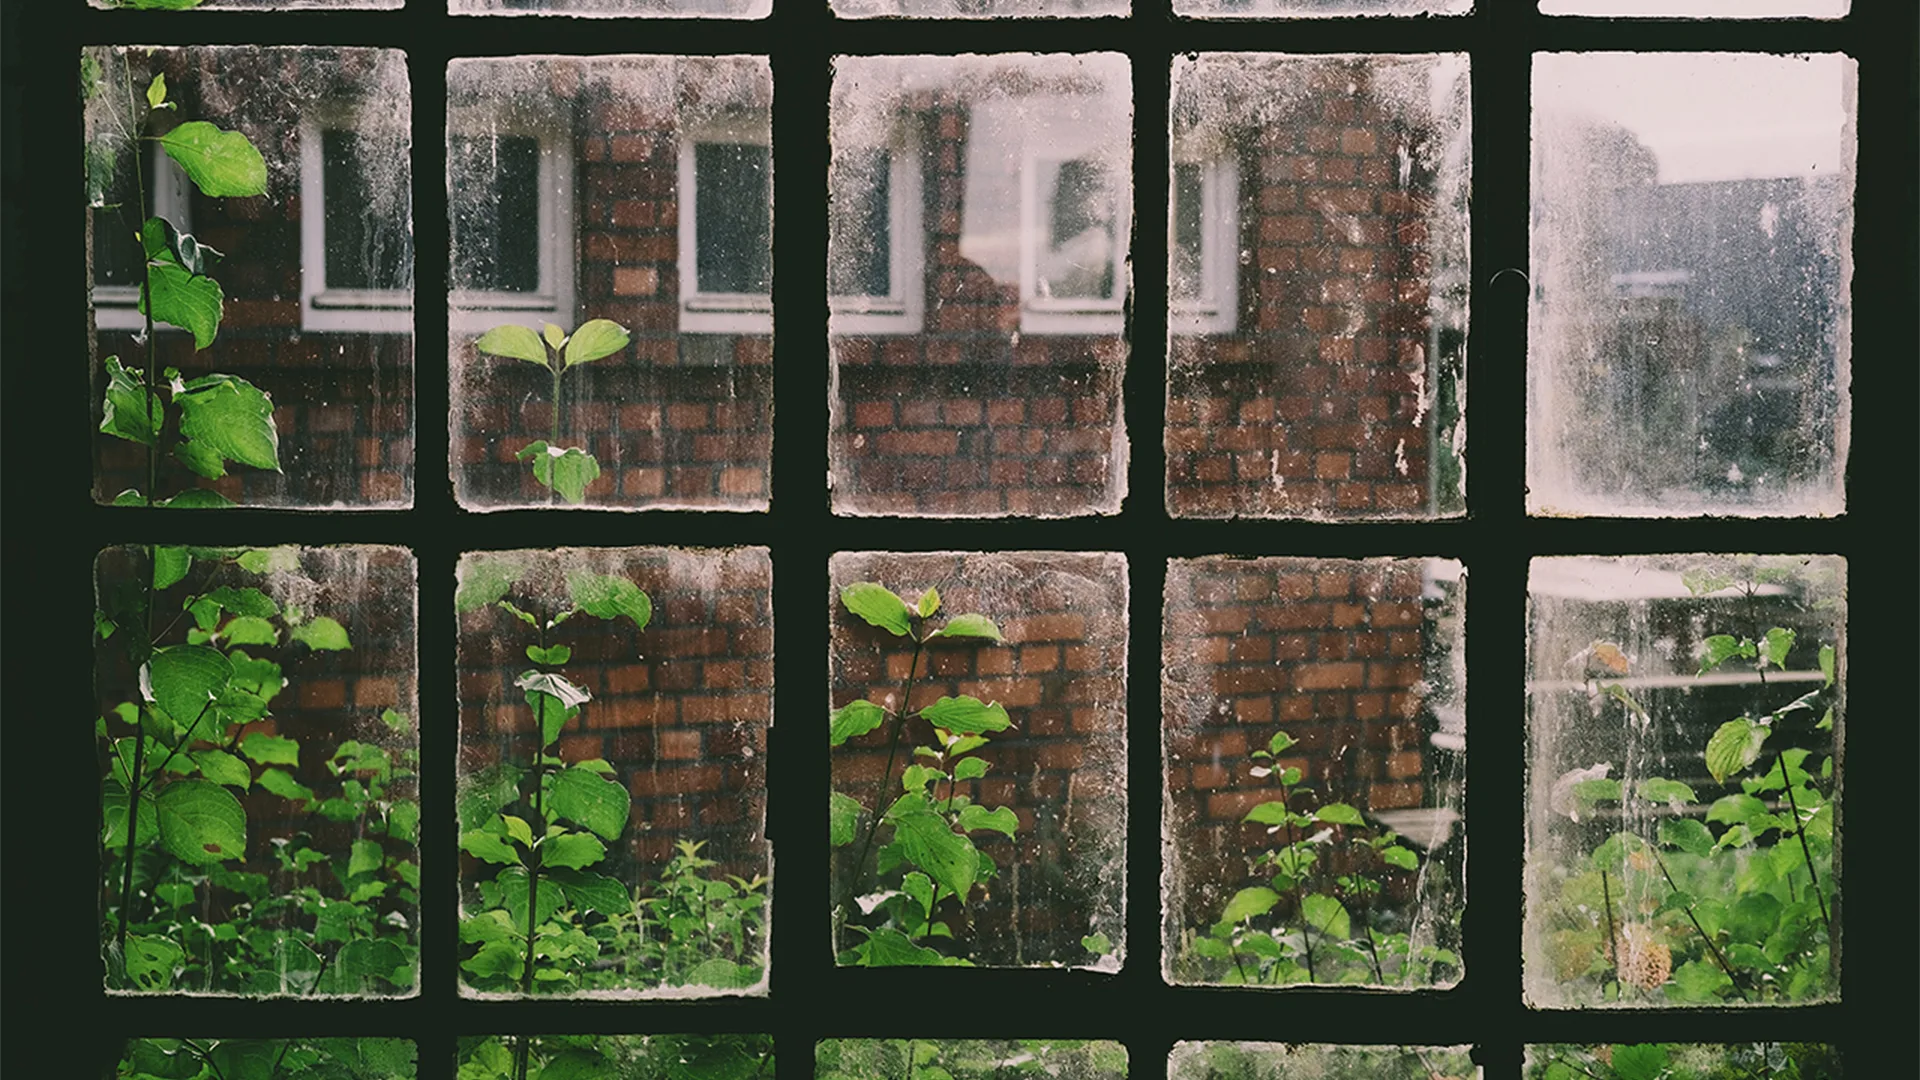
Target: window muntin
[[726, 236]]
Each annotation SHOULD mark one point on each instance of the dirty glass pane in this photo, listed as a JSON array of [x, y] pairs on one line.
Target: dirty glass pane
[[614, 706], [355, 1058], [257, 739], [1684, 1061], [617, 1057], [282, 176], [243, 5], [1703, 9], [568, 182], [1309, 9], [984, 380], [1684, 744], [1300, 1061], [978, 9], [1315, 751], [704, 9], [1317, 327], [969, 1059], [979, 701], [1692, 251]]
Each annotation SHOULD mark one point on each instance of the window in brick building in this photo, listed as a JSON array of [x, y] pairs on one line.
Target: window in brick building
[[979, 763], [680, 416], [1318, 276], [1610, 1061], [1685, 717], [1308, 9], [295, 385], [1287, 1061], [1689, 335], [510, 169], [876, 257], [613, 732], [1315, 753], [619, 9], [627, 1057], [1701, 9], [1004, 398], [969, 1059], [262, 752]]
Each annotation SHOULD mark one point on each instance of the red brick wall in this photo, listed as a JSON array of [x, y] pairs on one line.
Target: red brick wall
[[680, 709], [1062, 766]]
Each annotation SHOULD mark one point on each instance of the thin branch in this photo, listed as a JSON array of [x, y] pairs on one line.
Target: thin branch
[[1697, 928], [1800, 830], [880, 793], [1613, 939]]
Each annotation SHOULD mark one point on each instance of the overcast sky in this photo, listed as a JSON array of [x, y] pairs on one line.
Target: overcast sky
[[1709, 116]]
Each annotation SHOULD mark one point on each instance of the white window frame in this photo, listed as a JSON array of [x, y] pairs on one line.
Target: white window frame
[[1067, 315], [379, 311], [1217, 309], [903, 309], [117, 307], [480, 310], [715, 312]]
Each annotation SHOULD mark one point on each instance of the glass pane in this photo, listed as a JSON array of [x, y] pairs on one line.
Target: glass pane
[[262, 753], [1684, 723], [1316, 354], [1301, 1061], [969, 1059], [1002, 840], [705, 9], [1701, 9], [613, 728], [1688, 337], [860, 198], [245, 5], [985, 382], [978, 9], [618, 1057], [389, 1059], [1308, 9], [565, 180], [283, 296], [1315, 737], [1618, 1061]]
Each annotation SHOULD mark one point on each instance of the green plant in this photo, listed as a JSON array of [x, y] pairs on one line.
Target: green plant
[[969, 1059], [704, 931], [565, 471], [267, 1059], [517, 819], [1683, 1061], [1310, 922], [177, 916], [929, 845], [215, 418], [618, 1057], [1277, 1061], [1668, 910]]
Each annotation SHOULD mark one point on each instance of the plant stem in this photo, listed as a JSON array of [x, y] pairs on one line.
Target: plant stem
[[133, 826], [520, 1054], [1697, 928], [184, 740], [1800, 830], [1299, 885], [886, 776], [553, 438], [533, 872], [1613, 939]]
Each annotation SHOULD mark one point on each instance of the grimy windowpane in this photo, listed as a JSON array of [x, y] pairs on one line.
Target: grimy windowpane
[[978, 9], [1308, 9], [618, 1057], [1305, 1061], [1618, 1061], [1685, 718], [984, 380], [279, 256], [978, 811], [258, 721], [387, 1058], [629, 9], [1701, 9], [1689, 342], [612, 799], [1315, 751], [622, 359], [970, 1059], [245, 5], [1318, 309]]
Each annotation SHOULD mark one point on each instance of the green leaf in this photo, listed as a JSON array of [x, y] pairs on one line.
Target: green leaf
[[595, 339], [974, 817], [485, 793], [186, 678], [1339, 814], [1280, 741], [485, 578], [277, 560], [1096, 943], [157, 91], [1734, 746], [575, 1065], [594, 892], [518, 829], [1774, 649], [113, 818], [170, 565], [1247, 903], [223, 768], [488, 847], [932, 845], [150, 961], [552, 657], [1826, 658], [553, 335], [366, 857], [916, 777], [585, 797], [201, 822], [1268, 813], [284, 785], [1826, 722], [230, 417], [321, 634], [843, 812], [164, 243], [929, 602], [396, 721], [573, 851], [609, 596], [1646, 1061], [1401, 857], [270, 749], [566, 471], [127, 412], [719, 972], [854, 719], [1688, 835], [494, 959], [970, 768], [403, 821], [513, 342], [1737, 810], [891, 948], [879, 606], [1327, 915], [1720, 648], [1660, 790], [183, 300], [248, 630], [243, 601], [969, 626], [966, 715], [222, 164]]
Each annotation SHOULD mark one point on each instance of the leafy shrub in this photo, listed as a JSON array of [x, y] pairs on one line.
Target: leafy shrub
[[565, 471], [617, 1057], [1684, 1061], [267, 1059], [969, 1059]]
